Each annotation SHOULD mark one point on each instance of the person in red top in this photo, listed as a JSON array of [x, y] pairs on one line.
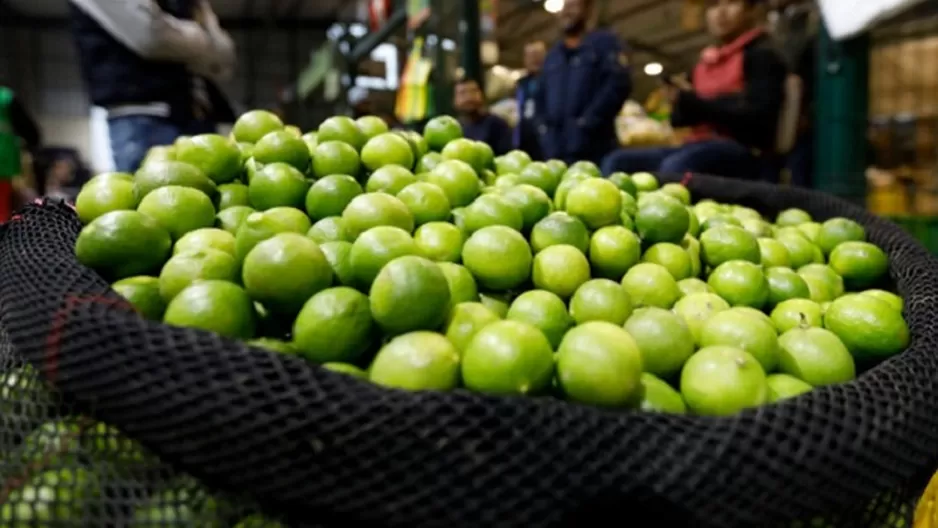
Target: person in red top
[[732, 103]]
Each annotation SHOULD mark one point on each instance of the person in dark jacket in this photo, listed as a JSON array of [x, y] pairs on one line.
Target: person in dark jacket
[[477, 122], [153, 65], [526, 136], [732, 102], [584, 83]]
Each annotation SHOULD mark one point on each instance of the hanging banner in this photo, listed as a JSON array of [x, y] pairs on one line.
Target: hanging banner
[[418, 11], [378, 13]]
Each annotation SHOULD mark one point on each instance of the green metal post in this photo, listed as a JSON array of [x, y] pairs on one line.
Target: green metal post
[[471, 41], [841, 120]]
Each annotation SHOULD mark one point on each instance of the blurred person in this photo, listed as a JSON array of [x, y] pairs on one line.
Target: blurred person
[[795, 27], [477, 122], [153, 65], [732, 102], [526, 134], [584, 83], [19, 136]]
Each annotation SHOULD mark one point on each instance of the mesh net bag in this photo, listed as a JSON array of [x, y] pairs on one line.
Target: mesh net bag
[[205, 431]]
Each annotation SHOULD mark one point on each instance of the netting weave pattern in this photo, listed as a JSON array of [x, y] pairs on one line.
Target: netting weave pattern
[[277, 435]]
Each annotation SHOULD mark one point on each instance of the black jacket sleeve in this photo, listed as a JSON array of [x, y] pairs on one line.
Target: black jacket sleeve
[[23, 124], [616, 85], [501, 136], [750, 116]]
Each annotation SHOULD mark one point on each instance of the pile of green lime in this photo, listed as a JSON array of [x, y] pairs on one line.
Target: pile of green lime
[[423, 262]]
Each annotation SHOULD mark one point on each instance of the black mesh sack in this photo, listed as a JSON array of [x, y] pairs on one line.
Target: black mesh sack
[[217, 431]]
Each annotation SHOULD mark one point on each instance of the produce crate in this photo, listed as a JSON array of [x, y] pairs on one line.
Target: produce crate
[[236, 428], [922, 228]]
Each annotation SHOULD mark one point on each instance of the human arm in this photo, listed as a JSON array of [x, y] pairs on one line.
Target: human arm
[[755, 108], [150, 32], [615, 84], [219, 66], [24, 126]]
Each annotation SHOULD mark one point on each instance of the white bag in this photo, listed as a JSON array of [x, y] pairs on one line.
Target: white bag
[[847, 18]]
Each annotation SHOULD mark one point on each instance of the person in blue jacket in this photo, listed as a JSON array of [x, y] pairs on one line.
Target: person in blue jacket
[[584, 83], [476, 120], [526, 136]]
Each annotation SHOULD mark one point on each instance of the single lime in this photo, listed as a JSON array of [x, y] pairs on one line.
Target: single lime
[[662, 221], [216, 156], [334, 157], [230, 219], [491, 210], [330, 196], [861, 264], [465, 320], [186, 268], [838, 230], [773, 253], [458, 180], [143, 293], [441, 130], [366, 211], [282, 147], [508, 358], [278, 185], [624, 182], [601, 300], [598, 363], [560, 228], [498, 257], [178, 210], [334, 325], [800, 250], [797, 313], [693, 285], [387, 149], [824, 284], [869, 327], [231, 195], [890, 298], [253, 125], [258, 227], [426, 202], [104, 196], [338, 254], [538, 174], [663, 338], [785, 284], [645, 181], [658, 396], [722, 380], [341, 129], [544, 311], [374, 249], [560, 269], [740, 329], [371, 126], [815, 356], [533, 203], [724, 243], [462, 285], [284, 271], [741, 283], [783, 386], [792, 217], [218, 306], [122, 244], [440, 241], [697, 308], [673, 257], [417, 361], [612, 251], [651, 284]]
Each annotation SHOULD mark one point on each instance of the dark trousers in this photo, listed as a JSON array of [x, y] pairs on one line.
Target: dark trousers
[[720, 157], [133, 136], [801, 160]]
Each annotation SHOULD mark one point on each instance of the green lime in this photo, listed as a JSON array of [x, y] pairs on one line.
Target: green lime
[[588, 167], [330, 195], [861, 264], [462, 285], [658, 396], [741, 283], [274, 345], [560, 270], [673, 257], [426, 202], [601, 300], [677, 191], [122, 244], [253, 125], [697, 308], [651, 284], [417, 361], [159, 153], [341, 129], [183, 269], [599, 364], [533, 203], [785, 284], [508, 358], [815, 356], [498, 257], [341, 368], [284, 271], [718, 220], [458, 180], [565, 186], [217, 306], [664, 339], [837, 230], [282, 147], [743, 330], [258, 227], [278, 185], [507, 180], [418, 145], [366, 211], [757, 227], [387, 149], [629, 205], [230, 219], [869, 327], [693, 285], [428, 162], [645, 181], [800, 249], [338, 254], [465, 320], [231, 195], [390, 179], [544, 311], [312, 141], [624, 182], [334, 325], [662, 221], [178, 209], [824, 284], [792, 217], [724, 243], [439, 241], [491, 210], [375, 248], [560, 228], [512, 162], [797, 313], [612, 251], [722, 380], [143, 293], [371, 126], [104, 196], [538, 174], [888, 297], [811, 230], [441, 130], [410, 293], [596, 202], [497, 302], [466, 150], [773, 253], [216, 156], [783, 386], [164, 173], [334, 157]]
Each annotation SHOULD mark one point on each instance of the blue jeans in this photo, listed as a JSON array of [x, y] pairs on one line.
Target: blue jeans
[[718, 156], [132, 136]]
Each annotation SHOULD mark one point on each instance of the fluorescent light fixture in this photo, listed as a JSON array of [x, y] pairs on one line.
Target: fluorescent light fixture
[[653, 68], [553, 6]]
